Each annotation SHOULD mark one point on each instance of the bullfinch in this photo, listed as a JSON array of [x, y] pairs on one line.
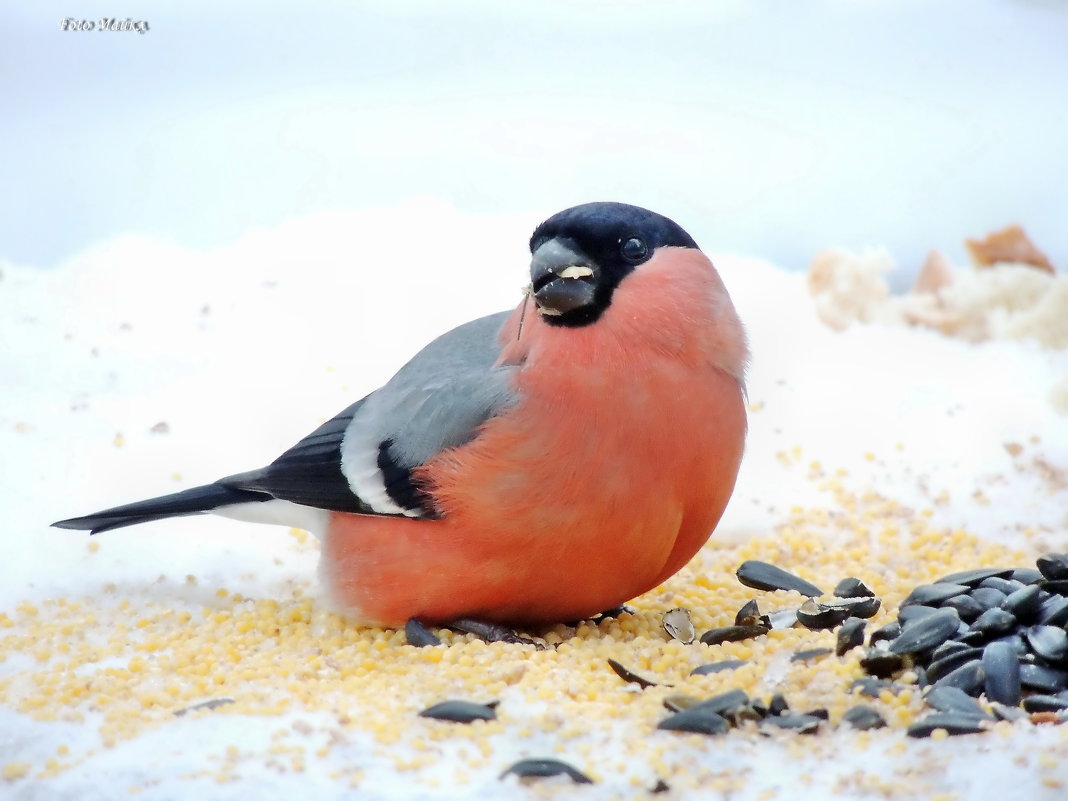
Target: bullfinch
[[533, 466]]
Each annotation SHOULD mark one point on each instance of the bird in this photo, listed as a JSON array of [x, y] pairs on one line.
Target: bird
[[530, 467]]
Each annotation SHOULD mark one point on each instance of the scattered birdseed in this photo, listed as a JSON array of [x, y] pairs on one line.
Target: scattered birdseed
[[696, 720], [955, 701], [863, 718], [873, 688], [461, 711], [1045, 703], [716, 667], [121, 662], [949, 722], [679, 625], [214, 703], [732, 634], [419, 635], [629, 675], [544, 768], [749, 615], [852, 588], [763, 576], [679, 701], [811, 653], [850, 636], [802, 724]]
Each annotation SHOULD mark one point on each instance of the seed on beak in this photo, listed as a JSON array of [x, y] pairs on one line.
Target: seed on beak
[[575, 271]]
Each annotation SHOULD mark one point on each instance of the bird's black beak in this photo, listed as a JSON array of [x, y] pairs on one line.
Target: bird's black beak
[[562, 278]]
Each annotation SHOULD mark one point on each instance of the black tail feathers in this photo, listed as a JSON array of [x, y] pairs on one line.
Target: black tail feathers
[[187, 502]]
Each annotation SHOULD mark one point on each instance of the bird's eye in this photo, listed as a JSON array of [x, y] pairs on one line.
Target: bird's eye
[[634, 250]]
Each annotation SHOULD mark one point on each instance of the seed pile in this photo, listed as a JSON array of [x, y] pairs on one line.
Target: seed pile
[[998, 632], [1002, 632]]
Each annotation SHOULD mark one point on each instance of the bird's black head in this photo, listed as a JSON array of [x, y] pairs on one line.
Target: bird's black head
[[580, 255]]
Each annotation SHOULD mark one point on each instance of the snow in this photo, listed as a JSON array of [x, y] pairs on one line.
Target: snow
[[238, 249]]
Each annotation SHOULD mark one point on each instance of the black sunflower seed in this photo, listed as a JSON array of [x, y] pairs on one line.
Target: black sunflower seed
[[460, 711], [863, 607], [973, 577], [1017, 643], [696, 720], [933, 594], [881, 663], [817, 616], [802, 724], [954, 700], [733, 634], [1054, 611], [968, 677], [716, 667], [676, 702], [994, 623], [953, 724], [988, 597], [1045, 703], [1042, 678], [850, 635], [972, 638], [1001, 667], [213, 703], [890, 631], [1023, 603], [748, 615], [1002, 585], [758, 708], [907, 614], [778, 705], [419, 635], [724, 702], [1057, 587], [852, 588], [810, 653], [544, 768], [949, 647], [950, 662], [863, 718], [1006, 712], [763, 576], [926, 632], [1026, 575], [629, 675], [872, 687], [1053, 566], [968, 609], [754, 711], [1048, 642]]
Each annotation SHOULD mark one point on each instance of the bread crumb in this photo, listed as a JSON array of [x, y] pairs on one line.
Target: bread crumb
[[1010, 245]]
